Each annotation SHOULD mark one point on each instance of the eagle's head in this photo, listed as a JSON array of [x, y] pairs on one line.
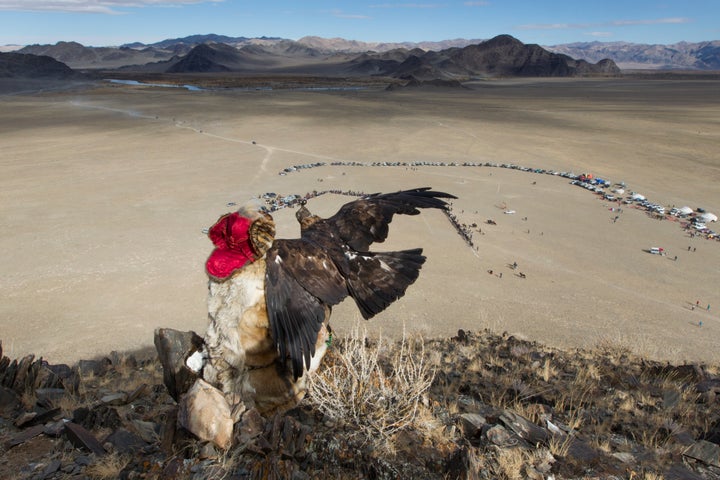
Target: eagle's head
[[304, 216], [239, 238]]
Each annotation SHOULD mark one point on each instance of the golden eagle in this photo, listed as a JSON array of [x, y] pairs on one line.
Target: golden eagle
[[330, 261]]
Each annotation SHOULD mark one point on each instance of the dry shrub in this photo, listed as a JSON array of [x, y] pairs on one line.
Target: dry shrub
[[355, 388], [107, 467], [510, 464]]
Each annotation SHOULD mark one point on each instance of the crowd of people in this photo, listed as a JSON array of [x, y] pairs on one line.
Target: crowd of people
[[587, 181]]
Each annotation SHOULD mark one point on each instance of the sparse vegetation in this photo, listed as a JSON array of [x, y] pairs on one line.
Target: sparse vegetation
[[377, 400], [477, 406]]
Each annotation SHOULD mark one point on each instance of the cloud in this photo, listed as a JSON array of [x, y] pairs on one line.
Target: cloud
[[90, 6], [614, 23], [352, 16], [652, 22], [407, 5], [599, 34], [476, 4]]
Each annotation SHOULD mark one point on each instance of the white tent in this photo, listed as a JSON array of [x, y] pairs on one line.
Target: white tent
[[708, 217], [637, 196], [685, 210]]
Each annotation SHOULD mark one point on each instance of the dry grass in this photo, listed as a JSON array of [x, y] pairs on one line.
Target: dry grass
[[559, 445], [511, 464], [107, 467], [378, 400]]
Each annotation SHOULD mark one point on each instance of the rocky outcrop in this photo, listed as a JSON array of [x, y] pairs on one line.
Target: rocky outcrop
[[500, 56], [683, 55], [206, 59], [21, 65], [498, 407]]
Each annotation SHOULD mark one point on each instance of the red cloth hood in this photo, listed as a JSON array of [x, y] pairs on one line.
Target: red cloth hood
[[233, 249]]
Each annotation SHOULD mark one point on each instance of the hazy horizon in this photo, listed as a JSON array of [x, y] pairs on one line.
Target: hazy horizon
[[550, 22]]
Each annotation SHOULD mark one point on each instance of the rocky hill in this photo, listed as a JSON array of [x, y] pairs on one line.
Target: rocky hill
[[500, 56], [683, 55], [490, 407], [19, 65], [78, 56]]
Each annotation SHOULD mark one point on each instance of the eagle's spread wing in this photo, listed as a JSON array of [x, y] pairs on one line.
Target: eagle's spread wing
[[376, 280], [364, 221], [300, 280], [331, 261]]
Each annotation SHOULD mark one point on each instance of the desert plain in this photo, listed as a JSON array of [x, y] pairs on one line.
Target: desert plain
[[105, 190]]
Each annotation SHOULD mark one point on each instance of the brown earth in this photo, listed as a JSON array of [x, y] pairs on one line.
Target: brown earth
[[105, 193]]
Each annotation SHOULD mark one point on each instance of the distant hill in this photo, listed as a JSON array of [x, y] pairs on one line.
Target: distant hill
[[377, 55], [503, 55], [500, 56], [19, 65], [78, 56], [683, 55], [355, 46]]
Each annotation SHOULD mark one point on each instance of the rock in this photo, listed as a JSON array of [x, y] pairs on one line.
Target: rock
[[681, 472], [461, 337], [36, 417], [671, 398], [174, 469], [47, 397], [44, 416], [581, 451], [148, 431], [251, 425], [706, 452], [51, 468], [524, 428], [497, 435], [9, 401], [708, 397], [8, 374], [545, 461], [55, 429], [62, 375], [137, 393], [204, 412], [115, 399], [24, 436], [712, 384], [22, 381], [624, 457], [100, 416], [4, 364], [168, 431], [93, 367], [173, 348], [81, 438], [472, 424], [208, 451], [24, 419], [124, 441]]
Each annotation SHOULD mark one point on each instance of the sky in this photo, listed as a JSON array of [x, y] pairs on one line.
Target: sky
[[545, 22]]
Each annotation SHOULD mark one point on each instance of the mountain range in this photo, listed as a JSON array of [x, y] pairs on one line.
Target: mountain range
[[500, 56], [683, 55]]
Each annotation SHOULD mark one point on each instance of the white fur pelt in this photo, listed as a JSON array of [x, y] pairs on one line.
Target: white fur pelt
[[242, 359]]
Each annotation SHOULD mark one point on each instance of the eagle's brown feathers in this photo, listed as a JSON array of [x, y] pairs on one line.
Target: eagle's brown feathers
[[330, 261]]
